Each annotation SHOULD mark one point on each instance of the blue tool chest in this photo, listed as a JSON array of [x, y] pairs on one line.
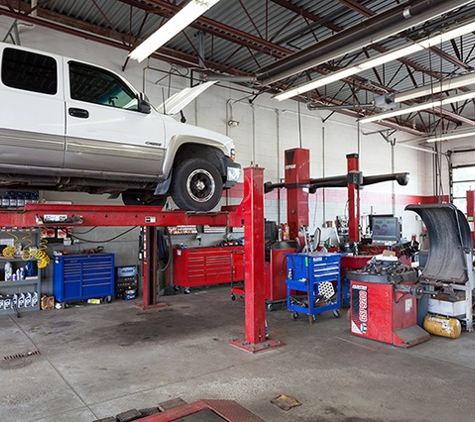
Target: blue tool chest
[[82, 277], [313, 284]]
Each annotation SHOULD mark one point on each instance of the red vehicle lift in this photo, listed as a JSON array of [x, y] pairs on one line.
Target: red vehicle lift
[[250, 212]]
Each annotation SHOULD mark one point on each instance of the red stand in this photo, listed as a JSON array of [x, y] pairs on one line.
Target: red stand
[[297, 171], [149, 271], [253, 202], [471, 212], [353, 201]]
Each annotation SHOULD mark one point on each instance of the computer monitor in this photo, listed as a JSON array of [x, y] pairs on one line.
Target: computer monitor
[[385, 229], [126, 271]]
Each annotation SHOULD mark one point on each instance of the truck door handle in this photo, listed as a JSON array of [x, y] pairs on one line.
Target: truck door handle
[[78, 112]]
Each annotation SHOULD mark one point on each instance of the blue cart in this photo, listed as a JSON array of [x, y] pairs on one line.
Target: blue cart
[[313, 284]]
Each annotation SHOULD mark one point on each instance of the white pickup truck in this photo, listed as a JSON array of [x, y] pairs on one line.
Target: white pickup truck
[[73, 126]]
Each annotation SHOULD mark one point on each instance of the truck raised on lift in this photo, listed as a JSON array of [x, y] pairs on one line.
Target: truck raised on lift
[[73, 126]]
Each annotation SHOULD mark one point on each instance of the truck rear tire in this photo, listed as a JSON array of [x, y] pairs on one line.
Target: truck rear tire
[[196, 185]]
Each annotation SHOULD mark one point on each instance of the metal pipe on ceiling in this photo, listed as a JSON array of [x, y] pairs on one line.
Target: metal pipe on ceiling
[[370, 31]]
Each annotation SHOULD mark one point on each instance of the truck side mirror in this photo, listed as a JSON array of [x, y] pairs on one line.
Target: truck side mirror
[[144, 105]]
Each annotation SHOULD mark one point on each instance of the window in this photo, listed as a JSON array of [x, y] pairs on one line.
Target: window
[[29, 71], [98, 86], [463, 179]]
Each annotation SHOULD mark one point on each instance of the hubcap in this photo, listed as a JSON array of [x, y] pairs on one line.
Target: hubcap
[[200, 185]]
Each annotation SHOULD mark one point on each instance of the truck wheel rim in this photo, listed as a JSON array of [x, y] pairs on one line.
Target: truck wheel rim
[[200, 185]]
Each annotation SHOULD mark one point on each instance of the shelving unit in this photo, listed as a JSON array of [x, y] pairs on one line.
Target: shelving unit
[[20, 295], [313, 284]]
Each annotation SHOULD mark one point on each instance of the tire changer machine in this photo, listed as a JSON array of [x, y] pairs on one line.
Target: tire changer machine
[[384, 293]]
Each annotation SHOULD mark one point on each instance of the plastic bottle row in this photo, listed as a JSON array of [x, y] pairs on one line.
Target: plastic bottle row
[[19, 300], [15, 199]]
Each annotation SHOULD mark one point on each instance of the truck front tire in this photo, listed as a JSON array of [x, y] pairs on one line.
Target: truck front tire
[[196, 185]]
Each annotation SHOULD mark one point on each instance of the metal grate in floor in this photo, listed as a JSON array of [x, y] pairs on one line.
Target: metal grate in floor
[[21, 355]]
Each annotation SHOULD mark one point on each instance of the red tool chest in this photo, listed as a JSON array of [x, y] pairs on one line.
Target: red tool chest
[[207, 266]]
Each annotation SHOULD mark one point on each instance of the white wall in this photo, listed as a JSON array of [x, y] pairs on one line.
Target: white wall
[[267, 127]]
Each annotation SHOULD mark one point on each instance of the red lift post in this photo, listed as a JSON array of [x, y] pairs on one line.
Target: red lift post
[[353, 200], [471, 212], [297, 173], [253, 205]]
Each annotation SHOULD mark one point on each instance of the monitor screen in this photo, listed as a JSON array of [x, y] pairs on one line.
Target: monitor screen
[[385, 229], [126, 271]]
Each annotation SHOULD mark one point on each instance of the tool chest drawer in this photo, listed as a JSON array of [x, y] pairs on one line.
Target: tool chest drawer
[[207, 266], [81, 277]]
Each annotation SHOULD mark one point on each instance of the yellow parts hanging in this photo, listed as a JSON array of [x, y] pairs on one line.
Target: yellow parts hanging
[[27, 252]]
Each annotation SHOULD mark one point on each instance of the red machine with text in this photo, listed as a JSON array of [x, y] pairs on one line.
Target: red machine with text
[[383, 304]]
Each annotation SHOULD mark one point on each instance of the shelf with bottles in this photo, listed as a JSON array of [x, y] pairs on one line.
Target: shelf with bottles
[[22, 256], [18, 271]]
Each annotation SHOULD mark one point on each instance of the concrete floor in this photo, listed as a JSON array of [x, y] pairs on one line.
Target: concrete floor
[[100, 360]]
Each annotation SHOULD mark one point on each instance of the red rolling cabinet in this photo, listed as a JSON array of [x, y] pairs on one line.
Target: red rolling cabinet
[[207, 266], [276, 273]]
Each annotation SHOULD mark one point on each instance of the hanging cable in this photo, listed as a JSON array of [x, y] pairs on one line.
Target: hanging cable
[[103, 241], [39, 253]]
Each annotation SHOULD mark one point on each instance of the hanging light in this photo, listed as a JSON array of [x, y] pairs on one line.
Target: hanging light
[[382, 59], [419, 107], [180, 21]]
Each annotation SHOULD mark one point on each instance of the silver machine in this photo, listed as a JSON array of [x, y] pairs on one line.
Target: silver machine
[[449, 271]]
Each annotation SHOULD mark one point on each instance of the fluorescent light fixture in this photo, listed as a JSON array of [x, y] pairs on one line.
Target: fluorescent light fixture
[[377, 61], [450, 136], [435, 88], [181, 20], [419, 107]]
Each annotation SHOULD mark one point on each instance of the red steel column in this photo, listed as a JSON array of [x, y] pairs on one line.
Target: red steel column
[[254, 284], [297, 170], [471, 212], [149, 270], [353, 200], [146, 265], [254, 288]]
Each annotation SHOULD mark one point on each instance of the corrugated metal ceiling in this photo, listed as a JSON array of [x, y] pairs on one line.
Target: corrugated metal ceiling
[[243, 36]]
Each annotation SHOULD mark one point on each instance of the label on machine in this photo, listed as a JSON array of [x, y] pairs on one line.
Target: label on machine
[[359, 309]]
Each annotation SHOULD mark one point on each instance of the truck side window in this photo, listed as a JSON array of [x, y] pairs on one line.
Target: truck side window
[[98, 86], [29, 71]]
